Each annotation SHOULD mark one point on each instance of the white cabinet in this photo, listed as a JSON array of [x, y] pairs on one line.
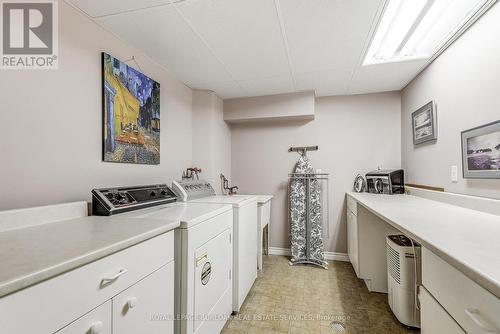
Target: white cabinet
[[65, 302], [475, 309], [147, 306], [352, 205], [352, 240], [97, 321], [434, 319], [366, 239]]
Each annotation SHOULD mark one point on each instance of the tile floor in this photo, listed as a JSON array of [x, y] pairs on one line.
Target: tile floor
[[305, 299]]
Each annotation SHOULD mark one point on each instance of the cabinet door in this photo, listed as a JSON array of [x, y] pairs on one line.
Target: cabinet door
[[352, 240], [97, 321], [147, 306], [434, 318]]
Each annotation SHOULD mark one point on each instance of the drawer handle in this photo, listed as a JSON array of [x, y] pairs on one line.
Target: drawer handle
[[479, 321], [96, 328], [201, 259], [111, 279]]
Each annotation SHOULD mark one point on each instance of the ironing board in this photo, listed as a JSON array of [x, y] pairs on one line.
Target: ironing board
[[305, 215]]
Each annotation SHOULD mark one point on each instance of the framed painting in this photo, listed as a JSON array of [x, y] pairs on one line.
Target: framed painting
[[131, 114], [424, 124], [481, 152]]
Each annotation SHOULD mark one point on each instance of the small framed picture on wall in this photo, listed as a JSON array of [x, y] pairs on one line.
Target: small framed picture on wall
[[481, 152], [424, 124]]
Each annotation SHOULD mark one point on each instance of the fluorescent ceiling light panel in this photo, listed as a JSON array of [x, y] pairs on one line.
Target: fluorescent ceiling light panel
[[416, 29]]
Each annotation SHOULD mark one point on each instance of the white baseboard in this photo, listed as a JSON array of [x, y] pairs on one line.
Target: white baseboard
[[328, 255]]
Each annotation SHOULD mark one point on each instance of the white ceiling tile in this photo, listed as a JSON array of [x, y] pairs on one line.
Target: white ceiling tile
[[384, 77], [97, 8], [268, 86], [245, 35], [236, 47], [327, 34], [225, 90], [324, 83], [163, 35]]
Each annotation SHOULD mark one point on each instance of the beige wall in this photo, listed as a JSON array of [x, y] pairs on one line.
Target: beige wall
[[464, 82], [211, 137], [50, 129], [355, 134], [290, 106]]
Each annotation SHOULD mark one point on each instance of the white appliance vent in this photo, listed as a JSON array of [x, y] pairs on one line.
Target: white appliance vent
[[394, 264], [402, 271]]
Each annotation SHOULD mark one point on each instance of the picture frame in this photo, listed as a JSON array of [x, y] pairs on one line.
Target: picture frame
[[130, 114], [424, 124], [481, 152]]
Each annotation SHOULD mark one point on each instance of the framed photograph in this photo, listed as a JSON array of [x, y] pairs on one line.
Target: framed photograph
[[131, 114], [481, 152], [424, 124]]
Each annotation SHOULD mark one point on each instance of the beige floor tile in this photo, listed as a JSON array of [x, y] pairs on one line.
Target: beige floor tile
[[305, 299]]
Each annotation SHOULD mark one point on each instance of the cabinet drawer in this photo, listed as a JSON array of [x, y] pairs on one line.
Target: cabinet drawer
[[434, 318], [98, 320], [147, 306], [352, 205], [474, 308], [54, 303]]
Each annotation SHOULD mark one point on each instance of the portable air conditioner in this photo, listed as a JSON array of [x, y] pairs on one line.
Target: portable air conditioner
[[401, 279]]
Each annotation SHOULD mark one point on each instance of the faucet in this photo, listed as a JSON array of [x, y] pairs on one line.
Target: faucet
[[225, 186]]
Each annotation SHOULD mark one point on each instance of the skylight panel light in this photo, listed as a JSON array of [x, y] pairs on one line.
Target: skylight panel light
[[417, 29]]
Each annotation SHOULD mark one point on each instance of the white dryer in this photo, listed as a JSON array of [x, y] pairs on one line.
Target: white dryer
[[244, 232], [203, 253]]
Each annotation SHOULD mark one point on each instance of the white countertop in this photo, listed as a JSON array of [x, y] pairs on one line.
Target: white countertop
[[261, 199], [467, 239], [33, 254], [189, 214]]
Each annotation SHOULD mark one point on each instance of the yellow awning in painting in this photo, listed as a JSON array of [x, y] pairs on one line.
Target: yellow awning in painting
[[126, 106]]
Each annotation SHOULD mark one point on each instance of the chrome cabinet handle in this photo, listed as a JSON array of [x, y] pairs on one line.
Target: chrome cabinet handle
[[111, 279], [479, 321]]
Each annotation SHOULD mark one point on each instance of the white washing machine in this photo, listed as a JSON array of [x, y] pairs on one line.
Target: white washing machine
[[203, 259], [244, 232]]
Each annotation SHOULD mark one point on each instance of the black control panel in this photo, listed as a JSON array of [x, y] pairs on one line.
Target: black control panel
[[109, 201]]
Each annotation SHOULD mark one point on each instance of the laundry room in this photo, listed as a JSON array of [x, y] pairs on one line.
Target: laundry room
[[249, 166]]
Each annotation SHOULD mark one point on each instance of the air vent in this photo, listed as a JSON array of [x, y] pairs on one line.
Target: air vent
[[394, 264]]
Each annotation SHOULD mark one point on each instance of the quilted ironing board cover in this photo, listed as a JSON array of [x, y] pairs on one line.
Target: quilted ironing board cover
[[298, 216]]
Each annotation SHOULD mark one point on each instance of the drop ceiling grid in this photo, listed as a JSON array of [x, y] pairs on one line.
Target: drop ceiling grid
[[279, 14], [245, 35], [205, 43], [165, 36], [257, 47], [100, 8], [265, 48], [326, 47], [375, 22]]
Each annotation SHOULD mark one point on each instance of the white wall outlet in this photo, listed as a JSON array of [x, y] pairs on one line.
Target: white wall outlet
[[454, 174]]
